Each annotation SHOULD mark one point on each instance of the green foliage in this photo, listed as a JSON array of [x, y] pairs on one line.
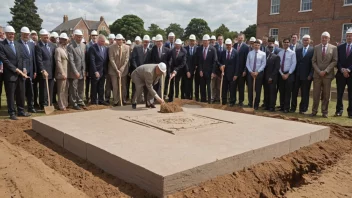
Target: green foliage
[[129, 26], [222, 30], [251, 31], [198, 27], [176, 29], [154, 29]]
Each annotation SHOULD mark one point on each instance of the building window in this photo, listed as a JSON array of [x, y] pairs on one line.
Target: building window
[[345, 27], [306, 5], [274, 32], [275, 7], [103, 28], [303, 31], [348, 2]]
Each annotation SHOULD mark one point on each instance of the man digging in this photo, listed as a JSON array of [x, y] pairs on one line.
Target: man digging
[[144, 77]]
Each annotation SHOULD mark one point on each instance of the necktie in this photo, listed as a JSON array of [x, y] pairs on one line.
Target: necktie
[[323, 51], [120, 53], [27, 47], [191, 51], [348, 50], [101, 51], [291, 47], [144, 51], [204, 53], [255, 62], [12, 47], [228, 55], [220, 49], [238, 46], [177, 51], [304, 52], [47, 47], [283, 62], [159, 52]]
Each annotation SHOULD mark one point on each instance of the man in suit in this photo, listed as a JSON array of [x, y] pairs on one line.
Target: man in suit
[[29, 66], [190, 67], [242, 50], [45, 61], [264, 45], [324, 61], [207, 61], [99, 60], [228, 63], [144, 77], [294, 46], [215, 82], [76, 72], [270, 76], [14, 77], [256, 62], [61, 59], [304, 76], [343, 75], [93, 40], [178, 59], [171, 41], [118, 68]]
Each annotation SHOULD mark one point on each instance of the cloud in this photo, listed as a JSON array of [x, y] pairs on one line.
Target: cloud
[[235, 14]]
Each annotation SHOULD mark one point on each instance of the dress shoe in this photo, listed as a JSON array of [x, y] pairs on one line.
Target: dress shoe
[[232, 104], [250, 105], [325, 115], [152, 106], [116, 105], [134, 106], [266, 108], [240, 104], [32, 110], [302, 112], [272, 109], [292, 110], [13, 117], [256, 108], [338, 114], [281, 109], [23, 114], [286, 111], [104, 103], [262, 106], [76, 107], [313, 114]]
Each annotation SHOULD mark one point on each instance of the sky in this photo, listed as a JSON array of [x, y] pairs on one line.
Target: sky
[[235, 14]]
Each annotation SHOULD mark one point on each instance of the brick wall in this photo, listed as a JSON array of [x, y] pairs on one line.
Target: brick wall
[[82, 26], [102, 26]]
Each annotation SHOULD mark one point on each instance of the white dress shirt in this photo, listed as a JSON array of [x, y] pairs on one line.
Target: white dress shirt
[[290, 61], [260, 63]]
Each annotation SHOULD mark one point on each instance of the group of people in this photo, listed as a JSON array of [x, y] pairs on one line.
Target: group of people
[[73, 73]]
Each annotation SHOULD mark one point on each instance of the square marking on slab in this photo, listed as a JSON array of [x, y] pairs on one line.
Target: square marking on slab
[[206, 143]]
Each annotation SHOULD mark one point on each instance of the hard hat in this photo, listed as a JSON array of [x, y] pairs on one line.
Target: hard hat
[[9, 29], [325, 34], [106, 42], [213, 38], [162, 67], [276, 42], [146, 38], [228, 42], [138, 38], [153, 38], [43, 32], [94, 32], [78, 32], [158, 37], [54, 34], [63, 36], [33, 32], [111, 36], [171, 34], [252, 39], [349, 31], [192, 37], [307, 36], [260, 41], [25, 30], [206, 37], [119, 36], [128, 42], [178, 41], [83, 40]]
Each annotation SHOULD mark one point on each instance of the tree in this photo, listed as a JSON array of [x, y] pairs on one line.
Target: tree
[[24, 13], [198, 27], [129, 26], [223, 30], [176, 29], [250, 31], [104, 32], [154, 29], [231, 35]]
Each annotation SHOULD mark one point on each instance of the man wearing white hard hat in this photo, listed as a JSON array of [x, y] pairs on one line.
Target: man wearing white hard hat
[[14, 77], [77, 70], [137, 40], [344, 75], [212, 40], [251, 43], [324, 61], [177, 58], [93, 40], [53, 37], [152, 43], [144, 78], [190, 68], [171, 39], [128, 42], [111, 39], [34, 36], [61, 59], [207, 66], [45, 51], [2, 35], [29, 66]]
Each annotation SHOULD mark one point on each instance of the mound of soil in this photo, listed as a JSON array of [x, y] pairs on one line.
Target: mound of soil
[[170, 108]]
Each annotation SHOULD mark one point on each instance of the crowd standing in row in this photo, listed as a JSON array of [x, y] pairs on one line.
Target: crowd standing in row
[[72, 69]]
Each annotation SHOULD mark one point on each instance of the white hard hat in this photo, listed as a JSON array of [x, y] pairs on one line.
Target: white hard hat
[[306, 36], [9, 29], [276, 42], [325, 34], [111, 36], [106, 42], [33, 32], [260, 41], [252, 39], [119, 36], [192, 37], [78, 32], [153, 38], [171, 34], [178, 42], [206, 37], [25, 30], [43, 32], [162, 67], [146, 38], [54, 34], [213, 38], [94, 32], [63, 36], [158, 37], [228, 41], [128, 42], [349, 31], [83, 40], [138, 38]]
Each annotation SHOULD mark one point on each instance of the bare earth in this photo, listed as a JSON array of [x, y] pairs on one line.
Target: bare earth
[[32, 166]]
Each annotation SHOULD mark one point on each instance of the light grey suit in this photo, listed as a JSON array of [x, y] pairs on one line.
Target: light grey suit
[[61, 60], [77, 65]]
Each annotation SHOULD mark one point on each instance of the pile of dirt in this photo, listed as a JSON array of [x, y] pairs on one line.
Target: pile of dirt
[[170, 108]]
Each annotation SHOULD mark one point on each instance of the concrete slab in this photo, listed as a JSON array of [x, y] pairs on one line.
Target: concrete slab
[[201, 143]]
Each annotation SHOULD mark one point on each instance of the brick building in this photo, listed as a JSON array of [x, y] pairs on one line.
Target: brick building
[[69, 26], [281, 18]]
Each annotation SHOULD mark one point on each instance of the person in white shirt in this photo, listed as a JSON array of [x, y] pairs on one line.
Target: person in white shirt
[[287, 68], [256, 62]]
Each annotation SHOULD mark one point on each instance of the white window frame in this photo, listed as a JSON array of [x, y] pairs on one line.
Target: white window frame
[[300, 7], [343, 37], [271, 7], [346, 4], [300, 32], [275, 36]]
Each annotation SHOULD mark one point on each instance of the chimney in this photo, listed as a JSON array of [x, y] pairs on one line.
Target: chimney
[[65, 18], [101, 18]]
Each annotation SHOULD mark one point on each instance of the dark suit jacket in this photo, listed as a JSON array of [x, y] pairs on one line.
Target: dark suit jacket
[[167, 45], [98, 62], [218, 53], [272, 66], [154, 56], [209, 65], [139, 58], [45, 59], [231, 65], [177, 63], [243, 53], [191, 59], [304, 64], [29, 59], [90, 44], [343, 61], [10, 60]]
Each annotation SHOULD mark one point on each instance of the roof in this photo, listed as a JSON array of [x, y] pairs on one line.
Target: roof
[[92, 25]]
